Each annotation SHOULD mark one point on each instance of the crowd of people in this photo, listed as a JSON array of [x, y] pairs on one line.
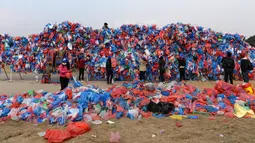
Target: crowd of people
[[228, 65]]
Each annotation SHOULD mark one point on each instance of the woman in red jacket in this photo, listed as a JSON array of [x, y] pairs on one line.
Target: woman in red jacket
[[63, 72]]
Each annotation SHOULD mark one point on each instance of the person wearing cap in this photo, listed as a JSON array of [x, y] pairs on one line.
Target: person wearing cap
[[228, 65], [63, 70], [109, 72], [161, 69], [181, 66], [246, 66]]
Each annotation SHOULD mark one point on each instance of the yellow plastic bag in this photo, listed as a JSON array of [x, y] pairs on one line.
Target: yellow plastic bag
[[177, 117], [242, 111]]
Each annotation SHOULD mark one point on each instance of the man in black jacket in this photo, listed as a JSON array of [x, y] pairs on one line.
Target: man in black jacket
[[161, 69], [228, 64], [246, 66], [109, 72]]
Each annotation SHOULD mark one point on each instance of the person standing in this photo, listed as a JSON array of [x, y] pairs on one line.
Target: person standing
[[143, 63], [181, 66], [105, 27], [246, 66], [228, 65], [161, 69], [63, 70], [109, 72], [81, 66]]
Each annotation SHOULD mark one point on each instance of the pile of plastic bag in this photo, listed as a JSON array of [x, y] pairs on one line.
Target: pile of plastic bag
[[89, 103], [202, 48]]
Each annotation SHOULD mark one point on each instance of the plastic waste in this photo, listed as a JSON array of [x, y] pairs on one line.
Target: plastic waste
[[177, 117], [41, 134], [114, 137], [178, 124], [110, 122], [90, 103], [241, 110], [57, 136], [97, 122], [192, 117], [78, 128], [199, 43]]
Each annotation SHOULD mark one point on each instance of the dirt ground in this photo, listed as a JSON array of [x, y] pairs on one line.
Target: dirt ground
[[200, 130]]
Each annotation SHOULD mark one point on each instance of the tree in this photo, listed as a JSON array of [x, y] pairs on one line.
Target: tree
[[251, 41]]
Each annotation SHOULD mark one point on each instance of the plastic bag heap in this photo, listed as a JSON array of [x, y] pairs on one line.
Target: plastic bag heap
[[202, 48], [132, 100]]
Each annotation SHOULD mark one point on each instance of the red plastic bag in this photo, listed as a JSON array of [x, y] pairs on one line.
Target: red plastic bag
[[115, 137], [145, 101], [117, 92], [145, 114], [77, 128], [222, 86], [230, 115], [57, 136], [69, 75], [69, 93], [211, 91], [178, 124]]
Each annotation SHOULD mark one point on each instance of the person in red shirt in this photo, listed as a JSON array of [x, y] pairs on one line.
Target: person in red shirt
[[63, 70], [81, 66]]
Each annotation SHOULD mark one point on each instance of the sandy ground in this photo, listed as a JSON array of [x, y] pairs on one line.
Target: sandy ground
[[131, 131]]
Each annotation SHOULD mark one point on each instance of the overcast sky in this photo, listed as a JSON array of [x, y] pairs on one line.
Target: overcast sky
[[24, 17]]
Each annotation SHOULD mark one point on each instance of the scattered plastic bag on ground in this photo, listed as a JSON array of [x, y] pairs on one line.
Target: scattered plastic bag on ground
[[115, 137]]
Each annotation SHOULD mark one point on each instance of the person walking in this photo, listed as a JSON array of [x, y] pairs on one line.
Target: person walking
[[161, 69], [81, 66], [109, 72], [228, 65], [143, 63], [246, 66], [63, 71], [181, 66]]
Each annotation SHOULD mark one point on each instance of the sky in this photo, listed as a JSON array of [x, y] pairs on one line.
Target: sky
[[24, 17]]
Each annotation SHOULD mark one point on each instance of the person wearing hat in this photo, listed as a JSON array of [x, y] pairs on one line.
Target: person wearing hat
[[246, 66], [109, 72], [63, 70], [228, 65]]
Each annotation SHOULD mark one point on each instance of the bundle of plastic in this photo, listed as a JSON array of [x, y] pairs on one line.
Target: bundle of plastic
[[132, 100], [202, 48]]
